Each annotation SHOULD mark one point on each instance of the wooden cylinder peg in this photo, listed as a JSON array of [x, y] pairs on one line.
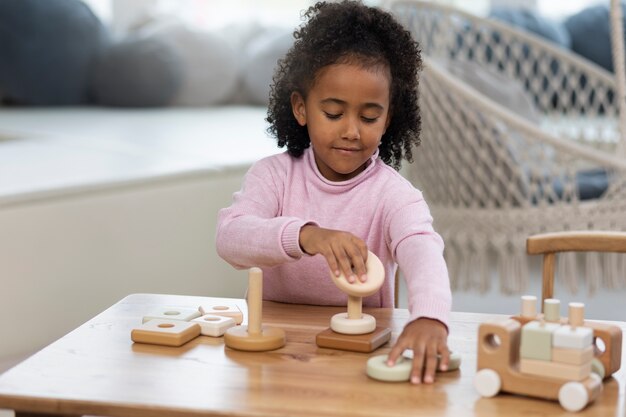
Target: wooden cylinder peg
[[576, 314], [255, 300], [255, 336], [529, 306], [552, 310], [355, 307], [355, 322]]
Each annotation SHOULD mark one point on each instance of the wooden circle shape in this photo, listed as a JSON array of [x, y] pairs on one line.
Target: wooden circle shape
[[270, 338], [377, 368], [340, 323], [375, 279]]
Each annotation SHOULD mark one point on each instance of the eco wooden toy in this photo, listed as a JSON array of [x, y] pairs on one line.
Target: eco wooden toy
[[214, 326], [165, 332], [401, 371], [547, 359], [226, 310], [254, 336], [172, 313], [354, 330], [607, 360]]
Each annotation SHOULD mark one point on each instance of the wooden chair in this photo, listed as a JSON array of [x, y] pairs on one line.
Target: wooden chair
[[549, 244]]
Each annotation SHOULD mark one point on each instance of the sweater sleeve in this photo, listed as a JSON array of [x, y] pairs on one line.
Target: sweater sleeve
[[418, 250], [251, 231]]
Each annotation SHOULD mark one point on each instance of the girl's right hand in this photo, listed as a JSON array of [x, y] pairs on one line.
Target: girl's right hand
[[344, 252]]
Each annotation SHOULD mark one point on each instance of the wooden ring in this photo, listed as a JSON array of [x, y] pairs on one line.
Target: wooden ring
[[375, 279]]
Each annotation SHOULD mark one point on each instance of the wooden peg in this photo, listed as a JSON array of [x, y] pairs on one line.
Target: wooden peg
[[552, 310], [529, 306], [344, 327], [254, 336], [576, 314]]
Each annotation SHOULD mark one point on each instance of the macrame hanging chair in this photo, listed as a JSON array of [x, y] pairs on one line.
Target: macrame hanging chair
[[518, 137]]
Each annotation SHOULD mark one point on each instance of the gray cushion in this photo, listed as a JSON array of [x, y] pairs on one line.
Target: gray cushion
[[208, 64], [535, 23], [47, 48], [590, 33], [498, 87], [137, 72], [261, 56]]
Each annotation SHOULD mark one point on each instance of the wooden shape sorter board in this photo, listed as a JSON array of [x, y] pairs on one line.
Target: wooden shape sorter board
[[165, 332], [358, 343]]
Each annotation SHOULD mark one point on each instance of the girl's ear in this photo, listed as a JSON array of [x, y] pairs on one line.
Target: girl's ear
[[298, 108]]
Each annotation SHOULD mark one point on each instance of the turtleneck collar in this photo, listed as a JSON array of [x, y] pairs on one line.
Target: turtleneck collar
[[340, 185]]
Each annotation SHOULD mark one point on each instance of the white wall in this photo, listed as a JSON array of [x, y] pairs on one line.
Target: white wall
[[64, 260]]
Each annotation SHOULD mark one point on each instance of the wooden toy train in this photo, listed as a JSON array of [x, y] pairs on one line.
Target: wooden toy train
[[547, 356]]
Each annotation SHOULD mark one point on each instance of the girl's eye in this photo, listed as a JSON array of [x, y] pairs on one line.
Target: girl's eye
[[369, 119], [332, 116]]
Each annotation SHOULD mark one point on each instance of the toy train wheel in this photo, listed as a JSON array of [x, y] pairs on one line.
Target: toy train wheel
[[573, 396], [487, 382]]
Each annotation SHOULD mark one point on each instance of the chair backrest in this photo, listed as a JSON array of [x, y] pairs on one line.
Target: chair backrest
[[549, 244]]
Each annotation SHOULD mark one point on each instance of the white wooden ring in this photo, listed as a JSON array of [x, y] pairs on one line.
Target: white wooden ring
[[375, 279], [340, 323], [377, 369]]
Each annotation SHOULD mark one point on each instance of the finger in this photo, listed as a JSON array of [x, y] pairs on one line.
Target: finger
[[344, 264], [332, 262], [418, 365], [363, 250], [431, 364], [444, 357], [359, 265], [395, 353]]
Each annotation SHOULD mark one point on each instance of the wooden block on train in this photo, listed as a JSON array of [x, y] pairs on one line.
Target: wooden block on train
[[572, 356], [555, 370], [536, 340], [571, 337]]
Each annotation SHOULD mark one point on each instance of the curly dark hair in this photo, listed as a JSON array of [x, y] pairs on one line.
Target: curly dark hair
[[347, 32]]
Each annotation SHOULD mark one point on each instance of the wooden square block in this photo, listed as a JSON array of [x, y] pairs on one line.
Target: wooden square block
[[573, 337], [225, 310], [172, 313], [214, 326], [165, 332], [555, 369], [354, 342], [536, 340], [572, 356]]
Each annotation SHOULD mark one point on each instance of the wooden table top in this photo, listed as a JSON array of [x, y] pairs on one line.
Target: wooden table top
[[97, 370]]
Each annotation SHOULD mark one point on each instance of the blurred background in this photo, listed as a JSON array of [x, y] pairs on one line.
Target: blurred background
[[125, 125]]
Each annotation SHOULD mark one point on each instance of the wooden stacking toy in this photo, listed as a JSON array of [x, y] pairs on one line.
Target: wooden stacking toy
[[165, 332], [377, 367], [546, 355], [174, 326], [254, 336], [355, 330]]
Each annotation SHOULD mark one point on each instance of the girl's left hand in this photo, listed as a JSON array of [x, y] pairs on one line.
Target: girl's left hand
[[427, 338]]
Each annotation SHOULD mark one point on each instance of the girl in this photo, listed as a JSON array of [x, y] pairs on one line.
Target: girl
[[344, 103]]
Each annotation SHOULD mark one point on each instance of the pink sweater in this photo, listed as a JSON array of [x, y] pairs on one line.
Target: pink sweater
[[281, 193]]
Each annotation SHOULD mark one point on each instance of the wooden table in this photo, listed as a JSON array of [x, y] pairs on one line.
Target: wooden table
[[97, 370]]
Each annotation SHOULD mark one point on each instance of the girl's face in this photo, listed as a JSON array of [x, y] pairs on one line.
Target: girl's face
[[346, 113]]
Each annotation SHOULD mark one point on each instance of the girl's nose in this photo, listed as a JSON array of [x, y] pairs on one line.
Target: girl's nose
[[351, 129]]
